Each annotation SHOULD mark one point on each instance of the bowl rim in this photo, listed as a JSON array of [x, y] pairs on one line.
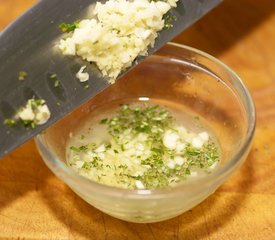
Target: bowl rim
[[60, 168]]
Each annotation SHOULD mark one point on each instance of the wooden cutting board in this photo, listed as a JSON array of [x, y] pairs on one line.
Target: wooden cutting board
[[34, 204]]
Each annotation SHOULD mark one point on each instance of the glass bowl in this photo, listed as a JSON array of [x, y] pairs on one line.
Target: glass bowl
[[202, 86]]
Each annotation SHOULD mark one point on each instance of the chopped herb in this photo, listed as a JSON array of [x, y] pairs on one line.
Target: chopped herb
[[65, 27], [137, 150], [22, 75], [168, 20], [28, 124], [56, 82], [83, 148], [103, 121], [53, 76], [75, 149], [79, 149], [37, 102], [10, 122], [187, 171], [115, 151], [108, 146], [86, 166]]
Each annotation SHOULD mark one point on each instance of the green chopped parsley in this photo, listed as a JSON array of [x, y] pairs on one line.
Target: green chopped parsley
[[10, 122], [56, 82], [75, 149], [22, 75], [29, 123], [168, 20], [146, 149], [53, 76], [68, 27]]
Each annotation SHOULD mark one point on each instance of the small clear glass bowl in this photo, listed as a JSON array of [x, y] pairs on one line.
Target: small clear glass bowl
[[205, 87]]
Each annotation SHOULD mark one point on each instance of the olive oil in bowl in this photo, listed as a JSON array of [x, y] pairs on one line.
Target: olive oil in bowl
[[142, 145]]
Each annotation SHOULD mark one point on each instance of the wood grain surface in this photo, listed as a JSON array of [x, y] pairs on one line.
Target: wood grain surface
[[34, 204]]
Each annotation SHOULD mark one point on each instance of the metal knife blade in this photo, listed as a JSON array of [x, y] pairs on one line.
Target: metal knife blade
[[29, 44]]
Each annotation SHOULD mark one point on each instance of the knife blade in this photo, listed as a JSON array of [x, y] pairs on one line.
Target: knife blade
[[29, 44]]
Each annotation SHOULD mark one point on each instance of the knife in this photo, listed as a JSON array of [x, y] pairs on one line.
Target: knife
[[29, 45]]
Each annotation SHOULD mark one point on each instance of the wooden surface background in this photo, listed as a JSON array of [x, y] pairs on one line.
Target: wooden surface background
[[34, 204]]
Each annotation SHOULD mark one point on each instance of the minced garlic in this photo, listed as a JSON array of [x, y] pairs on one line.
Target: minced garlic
[[142, 148], [35, 112], [81, 75], [120, 31]]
